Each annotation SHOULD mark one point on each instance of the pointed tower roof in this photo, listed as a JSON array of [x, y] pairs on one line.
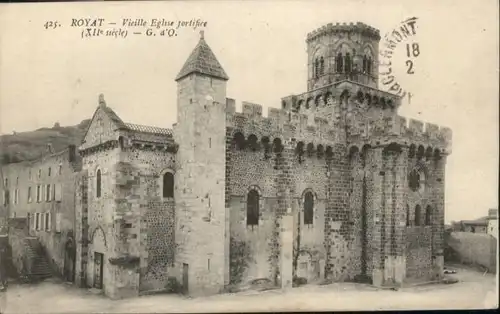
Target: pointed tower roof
[[202, 60]]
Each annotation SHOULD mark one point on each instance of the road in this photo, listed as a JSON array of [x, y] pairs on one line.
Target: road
[[473, 291]]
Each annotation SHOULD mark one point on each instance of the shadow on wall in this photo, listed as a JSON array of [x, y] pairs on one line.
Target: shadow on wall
[[474, 249]]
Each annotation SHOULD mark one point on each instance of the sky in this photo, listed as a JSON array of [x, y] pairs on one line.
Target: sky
[[53, 75]]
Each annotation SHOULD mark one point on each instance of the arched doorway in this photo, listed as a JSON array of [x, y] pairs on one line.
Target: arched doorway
[[69, 260]]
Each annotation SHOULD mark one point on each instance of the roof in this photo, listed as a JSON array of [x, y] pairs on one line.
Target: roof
[[480, 222], [148, 129], [202, 60]]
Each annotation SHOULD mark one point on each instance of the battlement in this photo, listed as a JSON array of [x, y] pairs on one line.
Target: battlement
[[344, 27], [278, 122], [415, 129]]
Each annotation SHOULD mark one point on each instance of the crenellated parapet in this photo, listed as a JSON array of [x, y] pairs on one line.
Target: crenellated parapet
[[345, 28], [280, 123], [407, 132]]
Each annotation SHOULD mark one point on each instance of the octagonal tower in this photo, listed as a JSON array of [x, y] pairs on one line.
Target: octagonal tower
[[342, 51]]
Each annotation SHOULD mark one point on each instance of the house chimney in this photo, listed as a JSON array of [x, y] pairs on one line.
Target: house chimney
[[71, 153]]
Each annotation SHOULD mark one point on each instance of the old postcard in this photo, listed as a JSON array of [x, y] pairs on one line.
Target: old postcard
[[248, 156]]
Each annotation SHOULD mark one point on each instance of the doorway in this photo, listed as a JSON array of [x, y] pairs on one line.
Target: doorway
[[69, 261], [185, 277], [98, 270]]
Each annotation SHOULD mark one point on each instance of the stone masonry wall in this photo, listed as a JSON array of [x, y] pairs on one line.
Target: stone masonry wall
[[147, 229]]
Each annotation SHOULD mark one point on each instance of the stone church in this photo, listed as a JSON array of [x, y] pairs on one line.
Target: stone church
[[332, 186]]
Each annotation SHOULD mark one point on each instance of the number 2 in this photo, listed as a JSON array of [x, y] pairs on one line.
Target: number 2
[[409, 64]]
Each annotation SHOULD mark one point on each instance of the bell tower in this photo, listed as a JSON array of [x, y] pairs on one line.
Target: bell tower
[[200, 173], [342, 52]]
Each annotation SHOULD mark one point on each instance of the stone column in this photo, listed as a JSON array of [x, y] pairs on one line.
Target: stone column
[[398, 224], [287, 239], [437, 217], [378, 208]]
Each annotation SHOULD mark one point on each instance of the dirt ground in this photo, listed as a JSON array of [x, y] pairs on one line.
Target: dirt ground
[[474, 290]]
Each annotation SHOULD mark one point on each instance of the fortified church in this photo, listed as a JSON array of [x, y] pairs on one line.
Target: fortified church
[[333, 186]]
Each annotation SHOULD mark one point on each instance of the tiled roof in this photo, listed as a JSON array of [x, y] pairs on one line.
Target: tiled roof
[[202, 60], [148, 129]]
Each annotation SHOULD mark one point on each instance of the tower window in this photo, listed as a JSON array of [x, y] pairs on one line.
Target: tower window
[[168, 185], [369, 64], [321, 66], [428, 215], [347, 65], [98, 183], [308, 208], [316, 67], [365, 61], [407, 215], [417, 215], [252, 208], [339, 63]]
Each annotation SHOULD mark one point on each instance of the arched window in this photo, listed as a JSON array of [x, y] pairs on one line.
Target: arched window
[[428, 215], [316, 67], [407, 215], [365, 61], [98, 183], [253, 208], [308, 208], [417, 215], [339, 63], [421, 188], [322, 66], [168, 185], [347, 65], [369, 65]]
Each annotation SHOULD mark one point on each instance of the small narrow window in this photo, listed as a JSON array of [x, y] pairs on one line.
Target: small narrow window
[[38, 194], [47, 193], [347, 65], [322, 66], [407, 215], [252, 208], [29, 194], [308, 208], [98, 183], [37, 221], [168, 185], [428, 215], [39, 173], [6, 182], [49, 172], [417, 215], [209, 142], [30, 175], [60, 169], [365, 61], [339, 63]]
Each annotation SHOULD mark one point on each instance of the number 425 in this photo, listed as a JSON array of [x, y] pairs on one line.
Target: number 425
[[412, 50]]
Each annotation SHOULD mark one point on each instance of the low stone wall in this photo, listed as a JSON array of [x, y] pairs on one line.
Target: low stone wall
[[472, 249]]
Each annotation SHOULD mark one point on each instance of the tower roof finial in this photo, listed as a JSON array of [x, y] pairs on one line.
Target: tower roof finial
[[102, 102], [202, 34]]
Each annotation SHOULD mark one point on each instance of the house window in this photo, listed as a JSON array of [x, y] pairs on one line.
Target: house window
[[47, 193], [16, 196], [39, 173], [30, 175], [29, 194], [168, 185], [308, 208], [38, 194], [50, 171], [6, 182], [417, 215], [428, 217], [6, 197], [60, 169], [252, 208], [47, 222], [37, 221], [98, 183], [17, 181]]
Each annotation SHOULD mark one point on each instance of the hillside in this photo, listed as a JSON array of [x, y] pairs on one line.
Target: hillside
[[31, 145]]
